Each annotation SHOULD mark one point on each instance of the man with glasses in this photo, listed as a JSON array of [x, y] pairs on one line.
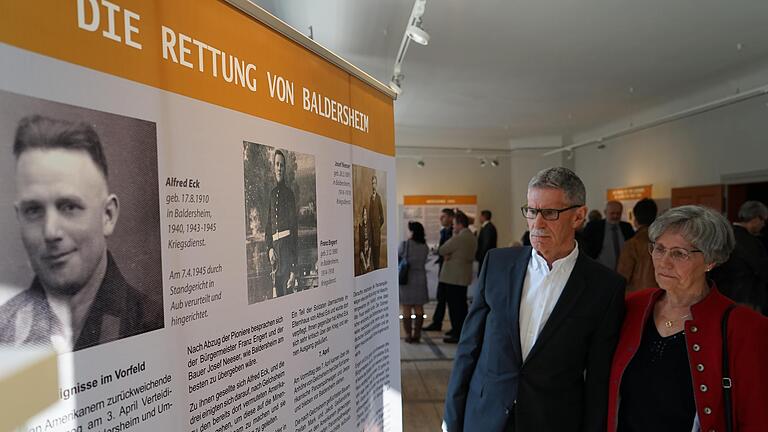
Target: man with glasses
[[536, 347]]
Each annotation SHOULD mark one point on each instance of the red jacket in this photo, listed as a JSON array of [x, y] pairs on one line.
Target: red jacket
[[748, 352]]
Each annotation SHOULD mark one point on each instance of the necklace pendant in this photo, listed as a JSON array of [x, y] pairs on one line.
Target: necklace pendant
[[668, 323]]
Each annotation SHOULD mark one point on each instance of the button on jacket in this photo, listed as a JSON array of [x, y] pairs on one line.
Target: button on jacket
[[748, 352]]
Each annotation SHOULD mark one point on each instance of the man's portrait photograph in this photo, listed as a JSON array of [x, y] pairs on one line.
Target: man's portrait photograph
[[280, 221], [79, 214], [369, 195]]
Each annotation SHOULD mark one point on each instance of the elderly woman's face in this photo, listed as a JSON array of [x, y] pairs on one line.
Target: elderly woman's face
[[677, 263]]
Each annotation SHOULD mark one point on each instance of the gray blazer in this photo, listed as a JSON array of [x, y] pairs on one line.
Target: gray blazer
[[458, 254]]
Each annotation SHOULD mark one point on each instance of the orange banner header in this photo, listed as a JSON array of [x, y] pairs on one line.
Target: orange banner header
[[210, 51], [629, 193], [439, 199]]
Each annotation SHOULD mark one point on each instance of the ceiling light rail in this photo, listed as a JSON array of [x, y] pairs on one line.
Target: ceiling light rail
[[690, 112], [414, 31]]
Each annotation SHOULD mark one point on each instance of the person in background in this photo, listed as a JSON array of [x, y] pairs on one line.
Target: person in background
[[525, 240], [667, 372], [486, 239], [446, 221], [594, 215], [744, 277], [413, 295], [635, 263], [604, 238], [456, 274], [536, 347]]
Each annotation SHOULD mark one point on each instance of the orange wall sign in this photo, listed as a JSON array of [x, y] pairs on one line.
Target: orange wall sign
[[629, 193], [439, 199], [207, 50]]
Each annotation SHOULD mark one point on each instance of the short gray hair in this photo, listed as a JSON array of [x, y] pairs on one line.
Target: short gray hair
[[707, 230], [563, 179], [752, 209]]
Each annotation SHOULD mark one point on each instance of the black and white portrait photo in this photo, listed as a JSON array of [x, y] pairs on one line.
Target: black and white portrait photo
[[79, 215], [370, 216], [281, 221]]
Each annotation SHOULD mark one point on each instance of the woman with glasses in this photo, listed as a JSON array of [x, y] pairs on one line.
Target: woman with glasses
[[667, 372]]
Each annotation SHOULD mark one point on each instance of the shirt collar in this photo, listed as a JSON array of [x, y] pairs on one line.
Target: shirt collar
[[539, 263]]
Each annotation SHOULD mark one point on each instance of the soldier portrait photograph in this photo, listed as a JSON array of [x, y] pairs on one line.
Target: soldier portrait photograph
[[370, 216], [281, 221], [79, 209]]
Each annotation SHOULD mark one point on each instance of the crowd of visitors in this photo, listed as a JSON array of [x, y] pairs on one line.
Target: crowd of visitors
[[593, 323]]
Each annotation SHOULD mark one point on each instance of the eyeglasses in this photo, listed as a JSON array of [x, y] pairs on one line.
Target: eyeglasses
[[547, 214], [675, 254]]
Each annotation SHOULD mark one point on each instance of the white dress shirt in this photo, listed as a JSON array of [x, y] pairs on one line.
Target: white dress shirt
[[541, 290]]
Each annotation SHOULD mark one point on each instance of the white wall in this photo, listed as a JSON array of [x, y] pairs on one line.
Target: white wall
[[695, 151]]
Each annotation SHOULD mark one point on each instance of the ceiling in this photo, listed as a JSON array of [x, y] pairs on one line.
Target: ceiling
[[512, 69]]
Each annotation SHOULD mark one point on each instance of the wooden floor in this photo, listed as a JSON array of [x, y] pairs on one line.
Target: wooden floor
[[425, 369]]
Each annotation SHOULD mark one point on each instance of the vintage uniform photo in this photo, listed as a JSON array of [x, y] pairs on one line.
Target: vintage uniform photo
[[281, 221], [79, 214], [369, 192]]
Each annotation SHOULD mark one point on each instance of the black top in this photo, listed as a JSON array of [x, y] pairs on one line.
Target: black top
[[656, 389]]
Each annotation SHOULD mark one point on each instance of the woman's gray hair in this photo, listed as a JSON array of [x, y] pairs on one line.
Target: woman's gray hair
[[752, 209], [563, 179], [706, 229]]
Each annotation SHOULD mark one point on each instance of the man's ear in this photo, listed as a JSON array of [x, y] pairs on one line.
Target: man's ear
[[579, 216], [111, 213]]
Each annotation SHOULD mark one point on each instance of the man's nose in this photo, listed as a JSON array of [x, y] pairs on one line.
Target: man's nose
[[52, 227], [539, 221]]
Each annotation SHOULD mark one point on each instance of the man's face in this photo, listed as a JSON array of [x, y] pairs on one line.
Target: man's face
[[755, 225], [445, 220], [65, 214], [553, 239], [374, 183], [279, 168], [457, 227], [613, 212]]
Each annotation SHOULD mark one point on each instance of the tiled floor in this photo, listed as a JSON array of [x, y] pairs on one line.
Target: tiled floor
[[425, 369]]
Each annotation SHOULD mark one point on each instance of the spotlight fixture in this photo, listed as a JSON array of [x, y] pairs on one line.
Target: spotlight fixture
[[417, 33], [396, 83], [495, 163], [483, 162], [413, 32], [420, 164]]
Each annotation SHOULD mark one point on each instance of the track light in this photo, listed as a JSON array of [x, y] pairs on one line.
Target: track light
[[396, 83], [417, 33], [483, 162], [495, 163], [420, 164]]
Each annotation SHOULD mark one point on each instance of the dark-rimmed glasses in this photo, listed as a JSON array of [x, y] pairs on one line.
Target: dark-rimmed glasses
[[675, 254], [547, 214]]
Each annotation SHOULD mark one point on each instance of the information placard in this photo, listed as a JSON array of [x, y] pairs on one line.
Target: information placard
[[195, 212]]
